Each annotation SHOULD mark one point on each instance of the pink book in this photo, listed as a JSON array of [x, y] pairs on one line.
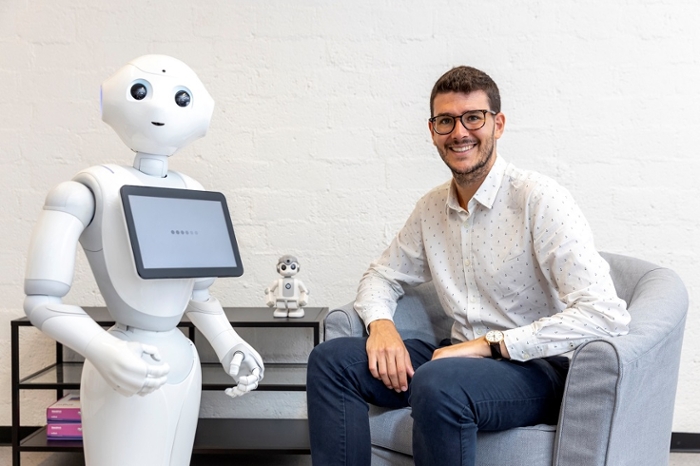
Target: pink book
[[64, 431], [65, 409]]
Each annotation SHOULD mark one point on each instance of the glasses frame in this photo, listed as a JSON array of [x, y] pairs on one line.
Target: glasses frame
[[460, 118]]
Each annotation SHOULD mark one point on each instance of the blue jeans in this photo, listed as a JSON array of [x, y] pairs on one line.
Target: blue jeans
[[450, 398]]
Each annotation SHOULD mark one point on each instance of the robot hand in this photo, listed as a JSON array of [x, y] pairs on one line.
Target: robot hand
[[123, 367], [246, 367]]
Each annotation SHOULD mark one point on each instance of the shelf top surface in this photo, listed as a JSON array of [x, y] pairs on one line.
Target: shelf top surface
[[261, 316]]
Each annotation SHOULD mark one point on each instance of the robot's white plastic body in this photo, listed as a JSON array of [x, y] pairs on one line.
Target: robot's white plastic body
[[144, 353], [287, 295]]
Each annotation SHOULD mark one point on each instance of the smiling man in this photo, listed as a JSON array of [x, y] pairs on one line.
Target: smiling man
[[514, 264]]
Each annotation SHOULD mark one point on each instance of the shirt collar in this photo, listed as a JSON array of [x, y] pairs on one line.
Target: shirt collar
[[486, 194]]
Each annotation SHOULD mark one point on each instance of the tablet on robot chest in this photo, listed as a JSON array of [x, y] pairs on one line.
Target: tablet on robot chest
[[180, 233]]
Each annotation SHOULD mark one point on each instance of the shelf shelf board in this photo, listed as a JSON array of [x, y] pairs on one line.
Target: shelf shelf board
[[213, 436], [278, 377]]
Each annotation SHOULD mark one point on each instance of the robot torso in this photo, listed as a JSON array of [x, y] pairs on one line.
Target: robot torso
[[155, 304]]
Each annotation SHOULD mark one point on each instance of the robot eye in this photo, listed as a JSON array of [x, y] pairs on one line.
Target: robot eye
[[283, 267], [294, 267], [182, 98], [139, 91]]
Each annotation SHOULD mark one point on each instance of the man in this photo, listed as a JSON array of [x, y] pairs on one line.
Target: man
[[513, 262]]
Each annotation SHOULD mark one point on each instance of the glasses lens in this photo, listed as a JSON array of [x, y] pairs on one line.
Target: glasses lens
[[474, 120], [444, 124]]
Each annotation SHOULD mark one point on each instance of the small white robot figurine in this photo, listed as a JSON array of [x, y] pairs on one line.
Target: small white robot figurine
[[157, 105], [287, 295]]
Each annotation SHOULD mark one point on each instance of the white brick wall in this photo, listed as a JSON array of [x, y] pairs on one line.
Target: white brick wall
[[319, 135]]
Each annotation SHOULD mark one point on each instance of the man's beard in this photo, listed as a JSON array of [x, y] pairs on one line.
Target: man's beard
[[478, 171]]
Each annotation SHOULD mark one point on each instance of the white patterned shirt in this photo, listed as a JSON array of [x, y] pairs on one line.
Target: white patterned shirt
[[520, 259]]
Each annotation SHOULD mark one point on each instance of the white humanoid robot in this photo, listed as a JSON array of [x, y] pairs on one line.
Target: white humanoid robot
[[287, 295], [157, 105]]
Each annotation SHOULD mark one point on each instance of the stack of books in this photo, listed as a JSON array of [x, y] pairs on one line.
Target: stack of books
[[63, 419]]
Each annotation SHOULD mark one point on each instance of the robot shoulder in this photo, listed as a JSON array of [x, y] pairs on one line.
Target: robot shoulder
[[190, 183], [73, 198]]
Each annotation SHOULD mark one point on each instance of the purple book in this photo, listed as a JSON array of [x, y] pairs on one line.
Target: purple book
[[65, 409], [64, 431]]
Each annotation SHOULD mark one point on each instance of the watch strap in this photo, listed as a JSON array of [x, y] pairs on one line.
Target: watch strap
[[496, 350]]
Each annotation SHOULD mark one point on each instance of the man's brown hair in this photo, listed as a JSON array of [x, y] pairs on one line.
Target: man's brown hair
[[465, 79]]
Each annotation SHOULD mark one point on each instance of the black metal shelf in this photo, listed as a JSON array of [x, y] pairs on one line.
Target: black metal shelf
[[213, 435]]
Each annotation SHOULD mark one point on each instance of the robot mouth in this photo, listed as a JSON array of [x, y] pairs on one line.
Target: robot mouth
[[157, 123]]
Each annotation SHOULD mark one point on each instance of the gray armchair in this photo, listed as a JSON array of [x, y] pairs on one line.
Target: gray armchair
[[618, 402]]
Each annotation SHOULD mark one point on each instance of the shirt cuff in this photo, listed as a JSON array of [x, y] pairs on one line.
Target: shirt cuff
[[522, 344], [370, 315]]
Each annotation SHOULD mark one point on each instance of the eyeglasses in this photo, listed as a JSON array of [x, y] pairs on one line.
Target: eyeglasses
[[471, 120]]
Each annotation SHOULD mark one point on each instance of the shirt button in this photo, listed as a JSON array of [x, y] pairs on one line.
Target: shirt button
[[467, 262], [479, 331]]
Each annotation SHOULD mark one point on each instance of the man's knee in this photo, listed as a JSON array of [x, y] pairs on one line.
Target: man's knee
[[435, 394], [336, 353], [428, 384]]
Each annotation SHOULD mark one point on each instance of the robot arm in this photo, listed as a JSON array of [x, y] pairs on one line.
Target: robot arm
[[303, 294], [270, 296], [68, 210], [238, 358]]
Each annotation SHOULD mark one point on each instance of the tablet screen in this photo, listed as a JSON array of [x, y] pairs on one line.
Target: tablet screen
[[180, 233]]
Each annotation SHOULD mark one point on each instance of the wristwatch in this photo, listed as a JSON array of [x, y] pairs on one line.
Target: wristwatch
[[494, 339]]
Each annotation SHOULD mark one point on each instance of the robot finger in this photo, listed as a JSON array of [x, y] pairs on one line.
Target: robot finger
[[154, 371], [146, 391], [236, 361], [248, 379], [234, 392], [152, 384], [151, 350], [241, 389]]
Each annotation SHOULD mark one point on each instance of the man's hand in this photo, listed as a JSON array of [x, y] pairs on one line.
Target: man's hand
[[389, 360], [478, 348]]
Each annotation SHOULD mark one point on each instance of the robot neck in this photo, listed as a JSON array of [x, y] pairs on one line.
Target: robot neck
[[151, 164]]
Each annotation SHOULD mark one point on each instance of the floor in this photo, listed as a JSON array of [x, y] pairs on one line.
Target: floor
[[76, 459]]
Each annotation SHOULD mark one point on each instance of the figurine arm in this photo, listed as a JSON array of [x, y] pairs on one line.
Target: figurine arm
[[270, 294], [303, 294], [238, 358], [68, 210]]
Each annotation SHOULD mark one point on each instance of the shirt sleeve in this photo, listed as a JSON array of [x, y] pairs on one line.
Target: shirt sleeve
[[563, 246], [403, 262]]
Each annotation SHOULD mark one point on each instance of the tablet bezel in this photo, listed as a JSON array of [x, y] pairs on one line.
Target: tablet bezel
[[178, 272]]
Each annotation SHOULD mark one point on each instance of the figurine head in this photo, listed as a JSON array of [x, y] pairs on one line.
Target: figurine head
[[156, 104], [287, 266]]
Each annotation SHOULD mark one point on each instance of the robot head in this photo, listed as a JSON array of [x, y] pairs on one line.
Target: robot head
[[156, 104], [288, 266]]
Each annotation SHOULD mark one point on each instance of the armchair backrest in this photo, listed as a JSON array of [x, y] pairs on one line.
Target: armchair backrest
[[419, 314]]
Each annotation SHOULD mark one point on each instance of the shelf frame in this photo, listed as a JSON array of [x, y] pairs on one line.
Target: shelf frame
[[210, 437]]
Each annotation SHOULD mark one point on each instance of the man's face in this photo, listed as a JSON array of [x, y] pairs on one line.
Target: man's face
[[468, 153]]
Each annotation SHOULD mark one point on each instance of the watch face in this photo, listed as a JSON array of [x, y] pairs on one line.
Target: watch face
[[494, 336]]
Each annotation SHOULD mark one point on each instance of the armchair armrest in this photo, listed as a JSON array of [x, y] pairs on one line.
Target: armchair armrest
[[617, 383], [343, 321], [419, 314]]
